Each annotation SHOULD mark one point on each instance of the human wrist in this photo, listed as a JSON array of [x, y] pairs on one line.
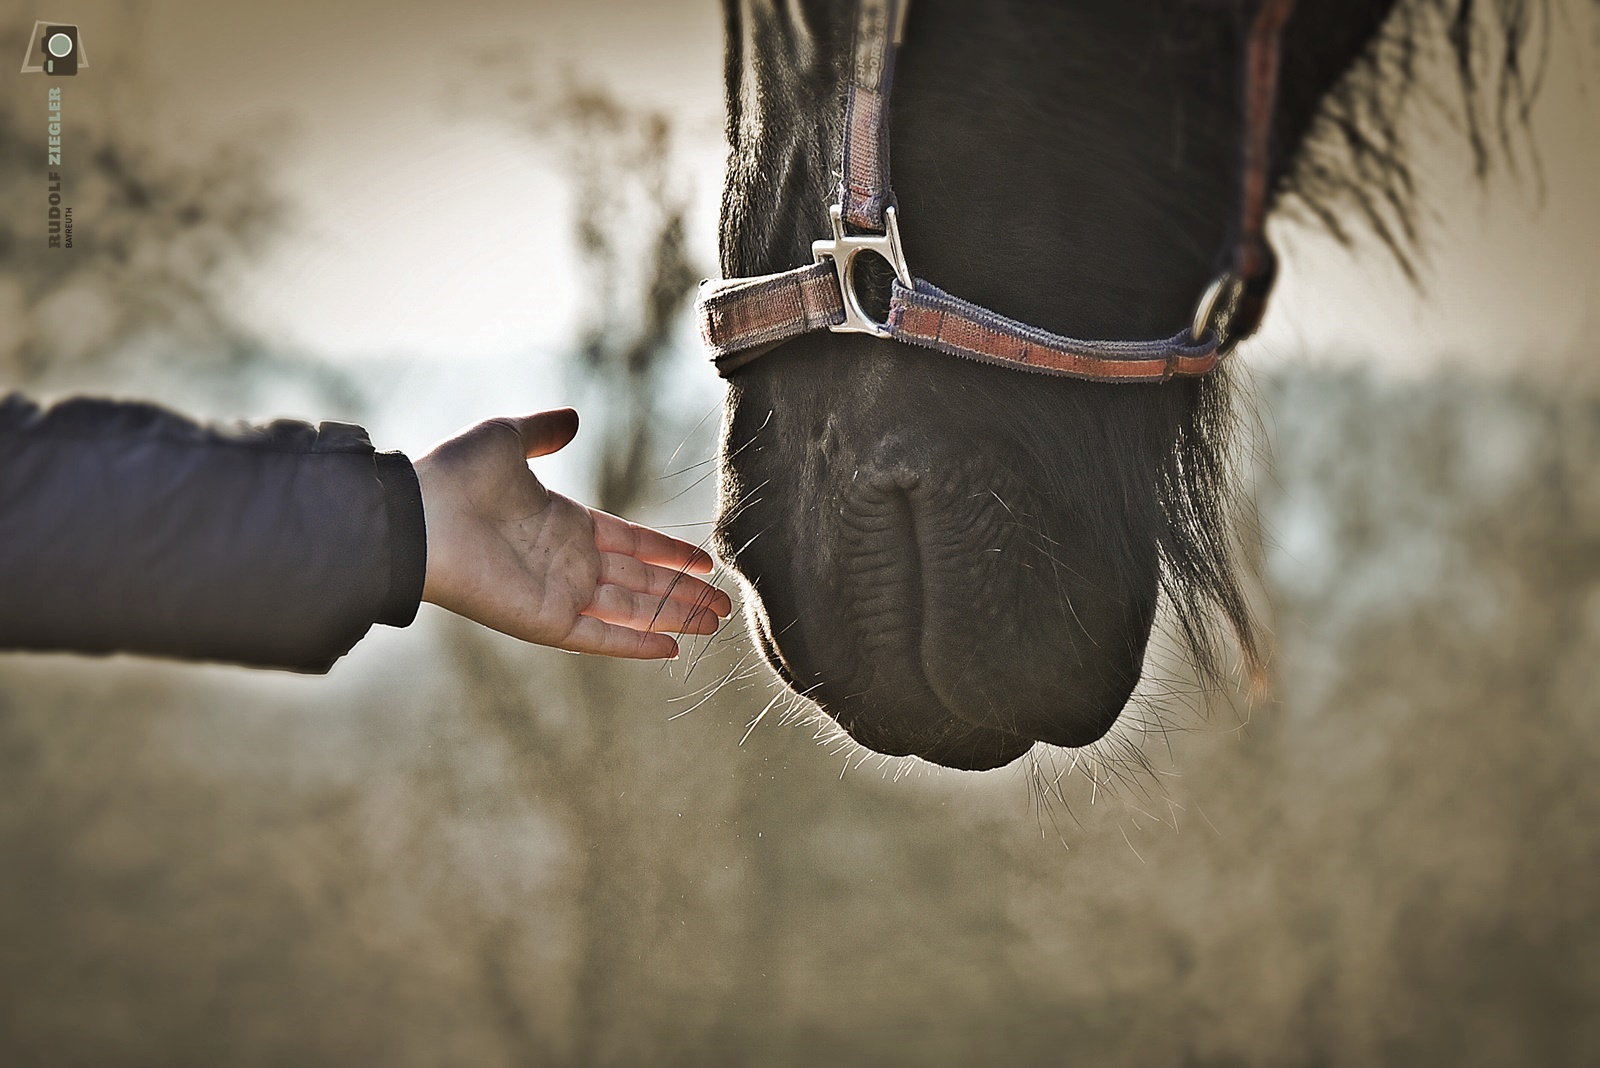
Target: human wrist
[[408, 538]]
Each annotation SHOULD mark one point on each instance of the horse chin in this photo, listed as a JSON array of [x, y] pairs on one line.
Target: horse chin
[[920, 727]]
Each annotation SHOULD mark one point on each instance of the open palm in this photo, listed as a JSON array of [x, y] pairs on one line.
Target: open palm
[[508, 553]]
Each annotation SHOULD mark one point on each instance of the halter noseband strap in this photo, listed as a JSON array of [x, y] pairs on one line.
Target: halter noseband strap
[[741, 319]]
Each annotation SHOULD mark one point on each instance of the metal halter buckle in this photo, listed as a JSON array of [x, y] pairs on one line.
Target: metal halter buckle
[[842, 251], [1216, 306]]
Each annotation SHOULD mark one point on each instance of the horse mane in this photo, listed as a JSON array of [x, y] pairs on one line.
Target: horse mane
[[1354, 161]]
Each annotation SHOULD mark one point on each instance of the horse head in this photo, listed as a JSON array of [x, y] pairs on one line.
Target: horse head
[[953, 560]]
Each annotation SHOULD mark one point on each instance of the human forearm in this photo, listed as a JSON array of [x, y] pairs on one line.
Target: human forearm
[[124, 527]]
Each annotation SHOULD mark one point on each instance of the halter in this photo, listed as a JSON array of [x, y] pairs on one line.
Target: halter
[[743, 318]]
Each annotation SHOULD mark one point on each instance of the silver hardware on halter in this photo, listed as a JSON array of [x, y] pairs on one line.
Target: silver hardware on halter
[[1216, 305], [842, 250]]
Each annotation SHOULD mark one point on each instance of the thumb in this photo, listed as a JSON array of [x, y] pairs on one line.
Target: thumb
[[543, 433]]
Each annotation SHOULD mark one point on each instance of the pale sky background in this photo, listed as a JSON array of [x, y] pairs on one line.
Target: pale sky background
[[430, 230]]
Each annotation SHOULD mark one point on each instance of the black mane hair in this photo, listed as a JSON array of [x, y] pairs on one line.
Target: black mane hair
[[1354, 161]]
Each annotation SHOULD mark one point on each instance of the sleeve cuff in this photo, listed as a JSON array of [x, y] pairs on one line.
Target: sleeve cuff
[[408, 539]]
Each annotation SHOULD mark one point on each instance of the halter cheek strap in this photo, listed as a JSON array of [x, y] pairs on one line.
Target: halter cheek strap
[[742, 319]]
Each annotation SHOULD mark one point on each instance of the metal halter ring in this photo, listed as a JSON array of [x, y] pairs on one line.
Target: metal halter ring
[[842, 252], [1216, 305]]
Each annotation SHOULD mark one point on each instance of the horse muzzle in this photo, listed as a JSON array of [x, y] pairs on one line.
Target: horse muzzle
[[946, 620]]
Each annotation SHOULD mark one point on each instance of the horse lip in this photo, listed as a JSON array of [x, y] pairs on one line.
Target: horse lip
[[898, 717], [963, 555], [890, 703], [940, 738], [859, 646]]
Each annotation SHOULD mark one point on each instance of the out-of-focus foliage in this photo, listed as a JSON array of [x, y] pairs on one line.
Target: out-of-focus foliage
[[629, 207]]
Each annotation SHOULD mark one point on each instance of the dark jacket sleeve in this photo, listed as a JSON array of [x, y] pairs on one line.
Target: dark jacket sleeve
[[127, 528]]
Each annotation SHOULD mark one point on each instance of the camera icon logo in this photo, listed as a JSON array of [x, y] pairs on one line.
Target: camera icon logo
[[60, 47], [54, 49]]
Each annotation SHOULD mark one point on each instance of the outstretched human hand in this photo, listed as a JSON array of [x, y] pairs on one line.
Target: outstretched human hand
[[510, 554]]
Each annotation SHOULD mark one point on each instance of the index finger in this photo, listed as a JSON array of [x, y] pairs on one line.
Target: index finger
[[616, 535]]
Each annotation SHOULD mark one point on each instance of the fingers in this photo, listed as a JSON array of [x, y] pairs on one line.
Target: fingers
[[633, 574], [628, 624], [543, 433], [641, 611], [591, 635], [614, 535]]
